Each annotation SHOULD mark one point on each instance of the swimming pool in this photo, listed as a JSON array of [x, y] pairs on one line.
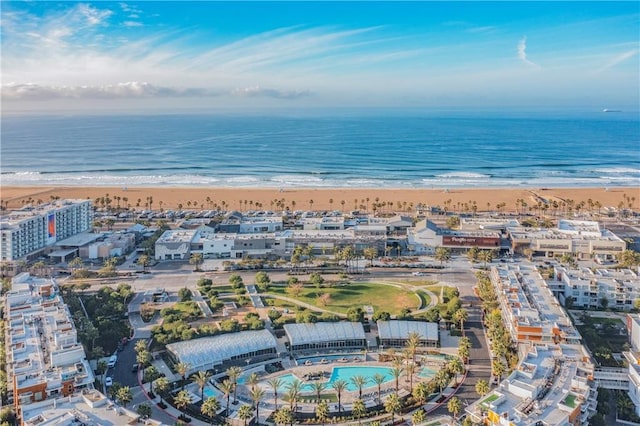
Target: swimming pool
[[343, 373], [426, 373], [209, 392]]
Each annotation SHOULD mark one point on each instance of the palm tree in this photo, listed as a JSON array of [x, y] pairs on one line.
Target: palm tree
[[201, 378], [461, 316], [283, 416], [464, 347], [412, 344], [256, 394], [396, 372], [497, 368], [411, 368], [339, 386], [421, 393], [101, 368], [124, 396], [293, 394], [245, 413], [252, 380], [358, 409], [151, 373], [227, 388], [456, 367], [359, 381], [182, 399], [181, 369], [454, 406], [482, 387], [318, 388], [196, 260], [378, 379], [234, 373], [418, 417], [392, 405], [162, 384], [322, 411], [275, 384], [210, 408], [442, 254]]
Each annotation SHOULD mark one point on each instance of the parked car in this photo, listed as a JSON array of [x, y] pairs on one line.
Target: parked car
[[108, 381]]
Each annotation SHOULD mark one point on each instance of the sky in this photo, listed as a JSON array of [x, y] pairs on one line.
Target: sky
[[146, 55]]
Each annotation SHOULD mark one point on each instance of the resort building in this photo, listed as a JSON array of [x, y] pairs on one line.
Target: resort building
[[395, 333], [325, 336], [45, 361], [552, 385], [224, 350], [330, 223], [582, 239], [237, 223], [592, 289], [633, 360], [530, 311], [27, 233]]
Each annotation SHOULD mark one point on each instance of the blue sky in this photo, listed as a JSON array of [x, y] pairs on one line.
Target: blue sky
[[139, 55]]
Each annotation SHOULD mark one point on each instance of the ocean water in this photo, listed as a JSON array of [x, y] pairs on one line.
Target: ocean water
[[369, 149]]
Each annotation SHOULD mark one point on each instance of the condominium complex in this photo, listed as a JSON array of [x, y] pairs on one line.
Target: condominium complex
[[45, 360], [26, 233], [554, 381], [633, 360], [595, 288]]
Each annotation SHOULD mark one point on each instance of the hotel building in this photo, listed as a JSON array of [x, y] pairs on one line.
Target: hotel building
[[26, 233], [45, 361]]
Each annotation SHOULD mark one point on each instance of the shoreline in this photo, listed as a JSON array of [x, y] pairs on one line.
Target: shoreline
[[343, 199]]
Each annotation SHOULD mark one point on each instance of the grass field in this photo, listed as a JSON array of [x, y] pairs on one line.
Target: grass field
[[381, 297]]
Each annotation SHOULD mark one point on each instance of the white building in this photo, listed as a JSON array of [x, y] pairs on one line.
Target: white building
[[208, 353], [395, 333], [587, 288], [44, 358], [633, 359], [28, 232], [325, 336]]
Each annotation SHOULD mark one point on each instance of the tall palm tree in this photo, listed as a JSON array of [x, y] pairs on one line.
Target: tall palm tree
[[359, 381], [201, 378], [318, 388], [482, 387], [244, 413], [182, 368], [339, 386], [456, 367], [227, 388], [252, 380], [497, 368], [460, 316], [412, 344], [256, 394], [210, 408], [293, 394], [396, 372], [411, 368], [392, 405], [421, 393], [322, 411], [275, 384], [358, 409], [124, 395], [234, 373], [378, 379]]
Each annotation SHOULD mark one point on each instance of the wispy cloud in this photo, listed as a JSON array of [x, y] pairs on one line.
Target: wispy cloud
[[618, 59], [522, 53], [133, 90], [132, 24]]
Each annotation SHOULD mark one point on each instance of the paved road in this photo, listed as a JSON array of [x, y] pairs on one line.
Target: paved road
[[122, 373]]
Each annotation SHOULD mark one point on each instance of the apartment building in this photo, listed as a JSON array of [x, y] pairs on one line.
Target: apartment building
[[531, 312], [27, 233], [44, 357], [590, 289]]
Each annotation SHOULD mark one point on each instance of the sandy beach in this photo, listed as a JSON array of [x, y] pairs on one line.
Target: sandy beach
[[388, 200]]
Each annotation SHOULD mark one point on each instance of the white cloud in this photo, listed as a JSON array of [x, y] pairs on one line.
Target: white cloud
[[522, 53], [128, 90], [132, 24]]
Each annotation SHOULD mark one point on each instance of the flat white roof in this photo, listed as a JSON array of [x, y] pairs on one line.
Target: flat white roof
[[398, 329], [301, 334], [80, 239], [207, 352]]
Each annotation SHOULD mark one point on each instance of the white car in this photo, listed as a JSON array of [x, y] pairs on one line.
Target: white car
[[108, 381], [418, 274]]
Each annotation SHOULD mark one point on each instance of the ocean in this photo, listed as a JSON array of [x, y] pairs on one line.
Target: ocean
[[377, 148]]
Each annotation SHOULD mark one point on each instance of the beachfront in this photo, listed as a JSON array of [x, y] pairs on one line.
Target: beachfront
[[366, 199]]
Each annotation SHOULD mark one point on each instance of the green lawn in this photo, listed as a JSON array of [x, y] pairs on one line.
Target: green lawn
[[490, 399], [381, 297], [425, 299], [570, 401]]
